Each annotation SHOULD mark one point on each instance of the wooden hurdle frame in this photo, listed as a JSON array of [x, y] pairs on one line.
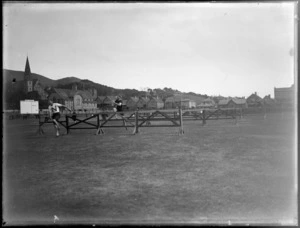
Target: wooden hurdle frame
[[143, 118], [134, 119], [210, 114], [46, 121]]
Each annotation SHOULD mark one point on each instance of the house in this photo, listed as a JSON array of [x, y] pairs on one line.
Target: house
[[233, 103], [62, 96], [108, 102], [254, 100], [75, 99], [285, 96], [99, 101], [223, 103], [172, 102], [142, 102], [132, 102], [238, 103], [84, 100], [187, 103], [207, 103], [179, 101], [268, 101], [155, 103]]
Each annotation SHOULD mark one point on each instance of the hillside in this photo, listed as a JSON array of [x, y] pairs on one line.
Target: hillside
[[9, 75], [13, 90], [65, 81]]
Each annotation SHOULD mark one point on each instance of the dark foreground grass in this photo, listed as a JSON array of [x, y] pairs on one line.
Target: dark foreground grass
[[218, 173]]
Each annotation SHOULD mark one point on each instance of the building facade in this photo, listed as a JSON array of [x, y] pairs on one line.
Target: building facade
[[142, 103], [285, 96], [254, 100], [207, 103], [132, 103], [233, 103], [155, 103], [74, 99]]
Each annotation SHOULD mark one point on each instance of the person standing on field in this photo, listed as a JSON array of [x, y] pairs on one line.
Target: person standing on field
[[54, 114]]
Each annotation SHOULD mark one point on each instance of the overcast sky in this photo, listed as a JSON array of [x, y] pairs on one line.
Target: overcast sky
[[231, 49]]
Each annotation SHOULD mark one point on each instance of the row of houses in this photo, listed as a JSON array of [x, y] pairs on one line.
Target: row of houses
[[88, 100], [107, 102], [75, 99]]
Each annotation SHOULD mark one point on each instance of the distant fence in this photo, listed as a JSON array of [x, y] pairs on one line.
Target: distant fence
[[15, 114]]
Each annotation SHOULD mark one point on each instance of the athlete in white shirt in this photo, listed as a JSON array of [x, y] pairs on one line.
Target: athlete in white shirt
[[54, 114]]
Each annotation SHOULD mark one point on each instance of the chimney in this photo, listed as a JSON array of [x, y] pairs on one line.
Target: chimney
[[255, 93]]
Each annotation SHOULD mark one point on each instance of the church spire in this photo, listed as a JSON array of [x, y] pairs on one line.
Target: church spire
[[28, 84], [27, 72]]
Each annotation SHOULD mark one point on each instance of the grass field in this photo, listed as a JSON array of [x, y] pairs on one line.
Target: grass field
[[220, 172]]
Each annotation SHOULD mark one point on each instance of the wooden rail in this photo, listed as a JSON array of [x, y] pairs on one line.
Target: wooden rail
[[142, 118]]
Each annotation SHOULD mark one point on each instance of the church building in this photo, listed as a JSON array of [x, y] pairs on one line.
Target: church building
[[32, 85]]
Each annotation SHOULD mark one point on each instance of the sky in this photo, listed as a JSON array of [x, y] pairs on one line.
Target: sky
[[228, 49]]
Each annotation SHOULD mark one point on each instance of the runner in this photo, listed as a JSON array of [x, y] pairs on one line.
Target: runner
[[54, 114]]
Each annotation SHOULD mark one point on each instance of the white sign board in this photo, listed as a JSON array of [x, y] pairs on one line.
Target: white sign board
[[29, 107]]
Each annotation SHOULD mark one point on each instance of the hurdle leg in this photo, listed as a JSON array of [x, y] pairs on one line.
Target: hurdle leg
[[40, 130], [124, 123], [99, 129], [67, 124], [123, 120], [235, 117], [181, 131], [136, 129], [203, 118]]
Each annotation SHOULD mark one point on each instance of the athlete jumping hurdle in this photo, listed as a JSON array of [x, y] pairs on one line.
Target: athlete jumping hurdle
[[119, 108], [54, 114]]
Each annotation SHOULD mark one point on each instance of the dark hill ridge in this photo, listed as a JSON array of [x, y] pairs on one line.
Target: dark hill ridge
[[9, 75], [102, 90], [67, 80]]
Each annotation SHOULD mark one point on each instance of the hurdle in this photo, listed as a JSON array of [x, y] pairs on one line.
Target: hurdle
[[212, 114], [135, 119], [158, 115], [99, 123], [142, 118], [47, 120]]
